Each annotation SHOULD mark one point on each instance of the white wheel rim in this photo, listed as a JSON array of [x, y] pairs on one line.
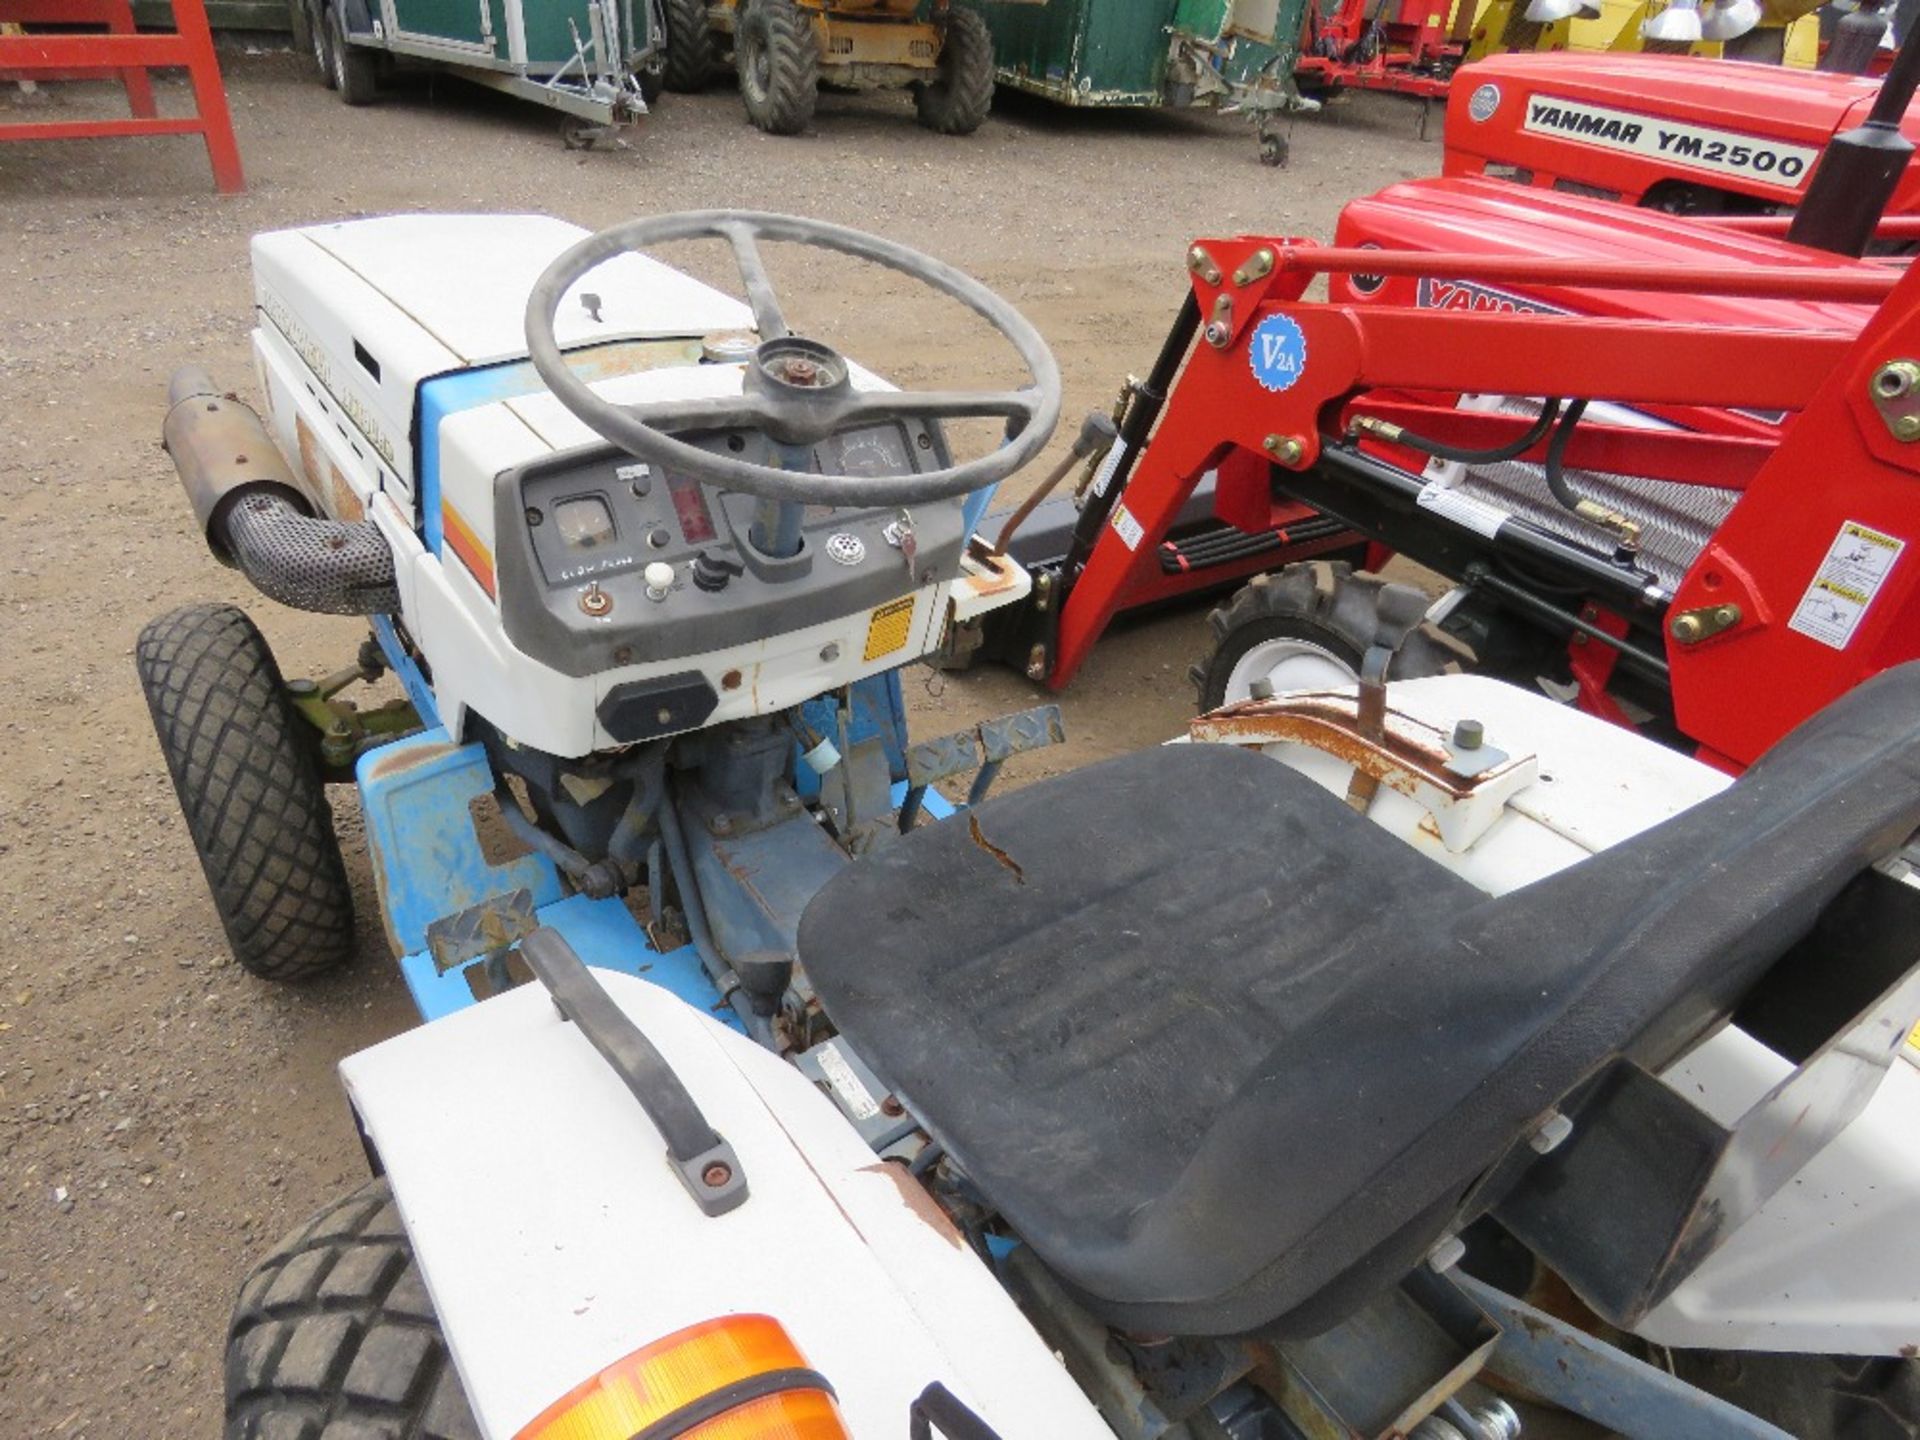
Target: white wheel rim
[[1288, 664]]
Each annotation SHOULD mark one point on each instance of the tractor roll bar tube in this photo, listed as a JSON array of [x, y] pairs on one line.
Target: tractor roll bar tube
[[256, 517]]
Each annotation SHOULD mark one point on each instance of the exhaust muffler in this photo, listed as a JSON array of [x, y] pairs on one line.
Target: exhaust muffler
[[255, 517]]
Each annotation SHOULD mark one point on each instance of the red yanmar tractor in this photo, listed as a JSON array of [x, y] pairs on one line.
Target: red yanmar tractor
[[1675, 132], [1668, 465]]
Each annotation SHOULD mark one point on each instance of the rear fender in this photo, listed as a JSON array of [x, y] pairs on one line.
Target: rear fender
[[555, 1241]]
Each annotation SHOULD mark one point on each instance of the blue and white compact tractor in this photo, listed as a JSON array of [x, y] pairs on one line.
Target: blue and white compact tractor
[[1401, 1060]]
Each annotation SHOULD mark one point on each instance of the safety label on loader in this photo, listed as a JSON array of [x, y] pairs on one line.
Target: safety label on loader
[[1857, 565], [1698, 147]]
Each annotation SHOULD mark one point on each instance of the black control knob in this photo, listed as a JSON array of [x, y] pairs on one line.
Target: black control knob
[[712, 574]]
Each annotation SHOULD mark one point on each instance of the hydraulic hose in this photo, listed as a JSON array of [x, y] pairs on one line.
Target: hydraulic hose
[[1512, 450], [1557, 456]]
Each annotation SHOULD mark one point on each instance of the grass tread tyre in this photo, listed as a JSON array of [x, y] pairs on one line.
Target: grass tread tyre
[[779, 65], [957, 103], [334, 1336], [356, 72], [250, 789], [692, 57], [1323, 602]]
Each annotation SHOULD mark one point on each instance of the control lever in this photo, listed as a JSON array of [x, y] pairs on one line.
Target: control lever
[[1096, 437], [1398, 612]]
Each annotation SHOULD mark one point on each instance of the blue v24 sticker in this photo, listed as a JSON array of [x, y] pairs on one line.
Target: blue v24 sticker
[[1277, 352]]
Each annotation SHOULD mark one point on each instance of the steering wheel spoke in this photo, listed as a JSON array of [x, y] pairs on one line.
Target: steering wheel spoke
[[871, 406], [767, 318], [704, 412]]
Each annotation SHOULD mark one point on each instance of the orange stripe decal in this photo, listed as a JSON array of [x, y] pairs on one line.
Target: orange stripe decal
[[464, 543]]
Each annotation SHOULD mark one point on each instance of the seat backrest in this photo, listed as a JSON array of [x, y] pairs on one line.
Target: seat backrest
[[1414, 1085]]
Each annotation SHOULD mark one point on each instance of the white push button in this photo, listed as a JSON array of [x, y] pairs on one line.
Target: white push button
[[659, 578]]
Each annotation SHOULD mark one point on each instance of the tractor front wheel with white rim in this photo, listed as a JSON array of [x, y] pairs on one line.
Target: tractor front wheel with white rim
[[1306, 628]]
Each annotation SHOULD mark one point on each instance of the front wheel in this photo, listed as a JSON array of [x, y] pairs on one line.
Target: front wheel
[[334, 1334], [779, 64], [958, 101], [249, 785], [1307, 628]]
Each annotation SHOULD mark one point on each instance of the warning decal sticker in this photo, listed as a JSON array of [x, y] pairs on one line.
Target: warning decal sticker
[[1698, 147], [1126, 527], [888, 628], [1857, 565]]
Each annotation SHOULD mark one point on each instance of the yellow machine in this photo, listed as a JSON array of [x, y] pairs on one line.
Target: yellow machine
[[1784, 32], [783, 50]]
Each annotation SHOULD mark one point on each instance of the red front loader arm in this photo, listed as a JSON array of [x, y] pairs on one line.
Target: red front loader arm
[[1275, 381]]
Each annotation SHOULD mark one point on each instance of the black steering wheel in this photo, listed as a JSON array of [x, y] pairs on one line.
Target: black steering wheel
[[797, 391]]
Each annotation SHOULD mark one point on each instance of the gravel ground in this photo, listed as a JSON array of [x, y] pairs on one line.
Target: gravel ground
[[163, 1117]]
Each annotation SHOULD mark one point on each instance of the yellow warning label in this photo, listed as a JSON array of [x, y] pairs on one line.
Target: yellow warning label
[[888, 628], [1913, 1036]]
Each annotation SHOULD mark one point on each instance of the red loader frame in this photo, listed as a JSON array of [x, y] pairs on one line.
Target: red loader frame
[[1742, 660]]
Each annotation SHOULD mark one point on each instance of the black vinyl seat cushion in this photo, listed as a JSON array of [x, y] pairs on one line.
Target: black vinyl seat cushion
[[1227, 1054]]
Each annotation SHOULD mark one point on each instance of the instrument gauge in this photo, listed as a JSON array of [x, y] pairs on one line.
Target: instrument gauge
[[584, 522]]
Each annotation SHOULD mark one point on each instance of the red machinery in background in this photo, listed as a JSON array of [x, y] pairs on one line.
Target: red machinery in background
[[1668, 131], [1411, 47], [1667, 465]]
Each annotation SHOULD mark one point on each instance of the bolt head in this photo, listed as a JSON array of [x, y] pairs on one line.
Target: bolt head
[[1469, 735], [1686, 628], [716, 1175], [1217, 334]]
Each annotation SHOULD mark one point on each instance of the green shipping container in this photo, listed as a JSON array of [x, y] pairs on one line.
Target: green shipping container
[[1146, 52]]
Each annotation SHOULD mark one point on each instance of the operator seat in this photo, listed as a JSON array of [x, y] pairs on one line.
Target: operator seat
[[1227, 1055]]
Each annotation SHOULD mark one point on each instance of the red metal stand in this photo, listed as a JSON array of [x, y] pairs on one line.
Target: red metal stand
[[123, 52]]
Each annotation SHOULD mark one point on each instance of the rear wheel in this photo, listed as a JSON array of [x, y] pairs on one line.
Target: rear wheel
[[779, 65], [250, 788], [1306, 628], [334, 1334], [957, 103], [692, 57], [356, 71]]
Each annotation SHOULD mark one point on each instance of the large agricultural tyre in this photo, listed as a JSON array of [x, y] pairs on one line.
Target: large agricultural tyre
[[356, 70], [334, 1334], [249, 785], [1307, 627], [779, 63], [692, 55], [957, 103]]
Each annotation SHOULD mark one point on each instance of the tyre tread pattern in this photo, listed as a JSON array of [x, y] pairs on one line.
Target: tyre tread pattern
[[250, 790], [1324, 596], [691, 59], [793, 72], [333, 1336], [959, 101]]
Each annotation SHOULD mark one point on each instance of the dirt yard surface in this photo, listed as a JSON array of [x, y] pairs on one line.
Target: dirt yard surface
[[163, 1117]]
